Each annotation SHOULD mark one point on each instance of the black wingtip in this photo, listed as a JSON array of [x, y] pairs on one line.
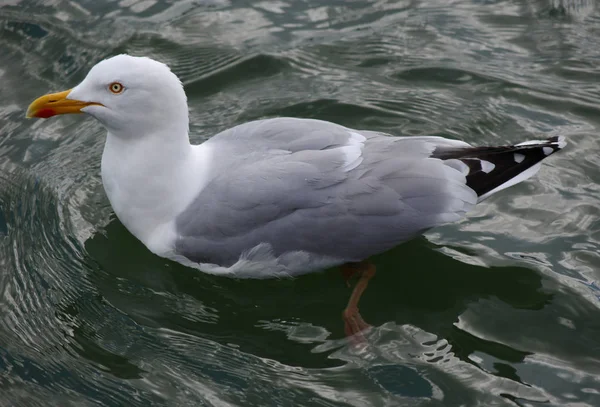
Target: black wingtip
[[491, 169]]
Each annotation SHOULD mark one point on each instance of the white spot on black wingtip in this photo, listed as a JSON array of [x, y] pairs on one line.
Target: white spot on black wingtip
[[547, 150], [529, 143], [519, 158], [487, 166], [558, 141]]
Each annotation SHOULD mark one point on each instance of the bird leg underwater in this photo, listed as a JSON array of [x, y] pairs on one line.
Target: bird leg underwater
[[353, 321]]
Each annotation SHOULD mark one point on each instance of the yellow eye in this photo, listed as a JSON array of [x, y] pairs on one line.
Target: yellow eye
[[116, 88]]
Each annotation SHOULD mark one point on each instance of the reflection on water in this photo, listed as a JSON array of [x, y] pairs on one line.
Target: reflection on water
[[500, 309]]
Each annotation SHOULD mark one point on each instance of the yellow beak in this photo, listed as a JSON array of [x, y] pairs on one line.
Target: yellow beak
[[56, 103]]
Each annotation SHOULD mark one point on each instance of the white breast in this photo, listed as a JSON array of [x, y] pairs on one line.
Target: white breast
[[149, 184]]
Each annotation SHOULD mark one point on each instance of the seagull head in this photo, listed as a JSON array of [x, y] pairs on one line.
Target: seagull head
[[128, 95]]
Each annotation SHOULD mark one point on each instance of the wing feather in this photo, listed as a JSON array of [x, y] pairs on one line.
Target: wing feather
[[300, 190]]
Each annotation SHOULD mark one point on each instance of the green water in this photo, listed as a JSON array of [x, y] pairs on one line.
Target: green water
[[500, 309]]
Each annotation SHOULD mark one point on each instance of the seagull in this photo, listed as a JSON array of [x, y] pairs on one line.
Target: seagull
[[280, 196]]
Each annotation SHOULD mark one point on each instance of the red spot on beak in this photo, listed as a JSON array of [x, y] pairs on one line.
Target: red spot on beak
[[45, 113]]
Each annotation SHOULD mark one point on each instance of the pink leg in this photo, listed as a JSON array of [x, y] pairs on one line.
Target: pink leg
[[353, 322]]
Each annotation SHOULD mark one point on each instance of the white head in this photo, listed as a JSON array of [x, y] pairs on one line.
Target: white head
[[130, 96]]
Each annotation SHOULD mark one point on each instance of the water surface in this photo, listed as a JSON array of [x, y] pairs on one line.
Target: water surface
[[500, 309]]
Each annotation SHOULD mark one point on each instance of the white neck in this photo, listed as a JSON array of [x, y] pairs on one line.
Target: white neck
[[149, 180]]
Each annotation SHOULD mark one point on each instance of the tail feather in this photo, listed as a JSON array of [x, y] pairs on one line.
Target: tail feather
[[492, 169]]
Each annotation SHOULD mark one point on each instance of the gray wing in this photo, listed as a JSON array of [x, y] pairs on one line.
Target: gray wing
[[321, 188]]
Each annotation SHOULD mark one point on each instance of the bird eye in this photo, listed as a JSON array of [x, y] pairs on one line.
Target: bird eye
[[116, 88]]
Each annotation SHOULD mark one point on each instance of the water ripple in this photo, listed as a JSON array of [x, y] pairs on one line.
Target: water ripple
[[497, 310]]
